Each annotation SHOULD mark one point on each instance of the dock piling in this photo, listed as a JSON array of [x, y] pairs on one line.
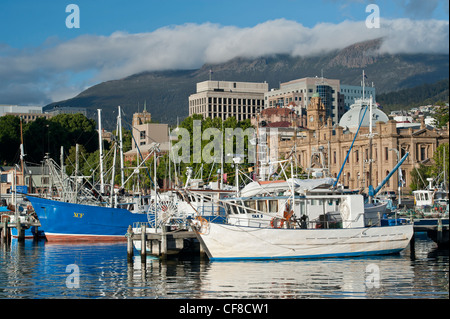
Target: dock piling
[[143, 243], [164, 243], [20, 232], [439, 231], [130, 244]]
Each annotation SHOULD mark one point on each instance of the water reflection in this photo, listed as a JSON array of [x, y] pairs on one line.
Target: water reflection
[[39, 270]]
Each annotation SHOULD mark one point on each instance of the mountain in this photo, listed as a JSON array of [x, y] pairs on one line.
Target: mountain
[[165, 93], [424, 94]]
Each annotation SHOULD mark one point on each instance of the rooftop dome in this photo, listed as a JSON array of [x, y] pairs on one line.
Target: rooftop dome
[[352, 117]]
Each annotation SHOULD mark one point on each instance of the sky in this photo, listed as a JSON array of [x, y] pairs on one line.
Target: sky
[[43, 60]]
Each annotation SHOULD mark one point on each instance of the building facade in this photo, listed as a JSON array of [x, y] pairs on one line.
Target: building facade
[[353, 92], [334, 142], [145, 134], [225, 99], [297, 94]]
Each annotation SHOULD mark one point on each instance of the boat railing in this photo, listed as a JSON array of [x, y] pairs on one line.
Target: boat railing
[[211, 209], [138, 225]]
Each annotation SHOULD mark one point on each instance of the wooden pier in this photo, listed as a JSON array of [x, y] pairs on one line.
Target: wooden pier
[[436, 229], [163, 244], [5, 229]]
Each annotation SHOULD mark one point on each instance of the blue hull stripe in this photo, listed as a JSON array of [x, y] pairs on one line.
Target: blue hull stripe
[[349, 254]]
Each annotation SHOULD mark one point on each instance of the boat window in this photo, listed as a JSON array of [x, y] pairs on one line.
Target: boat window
[[273, 206], [302, 208], [262, 206], [241, 209], [426, 196], [234, 209], [250, 204]]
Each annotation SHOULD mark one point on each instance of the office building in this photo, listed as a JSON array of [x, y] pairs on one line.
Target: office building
[[336, 97], [225, 99], [353, 92]]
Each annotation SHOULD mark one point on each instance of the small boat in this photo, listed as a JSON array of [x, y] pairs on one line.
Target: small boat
[[268, 228]]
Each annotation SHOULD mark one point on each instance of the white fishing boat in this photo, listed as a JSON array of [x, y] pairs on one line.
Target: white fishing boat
[[309, 219], [267, 228], [431, 196]]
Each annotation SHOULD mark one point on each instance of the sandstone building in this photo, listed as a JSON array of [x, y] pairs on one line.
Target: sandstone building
[[334, 141]]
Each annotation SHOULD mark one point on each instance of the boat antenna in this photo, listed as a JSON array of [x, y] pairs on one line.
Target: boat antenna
[[100, 145]]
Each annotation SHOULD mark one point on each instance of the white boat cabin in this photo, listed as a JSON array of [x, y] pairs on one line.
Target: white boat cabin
[[311, 211]]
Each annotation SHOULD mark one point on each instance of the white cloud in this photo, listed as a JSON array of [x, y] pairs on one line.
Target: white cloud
[[189, 46]]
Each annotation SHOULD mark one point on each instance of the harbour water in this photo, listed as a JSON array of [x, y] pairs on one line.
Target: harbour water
[[42, 270]]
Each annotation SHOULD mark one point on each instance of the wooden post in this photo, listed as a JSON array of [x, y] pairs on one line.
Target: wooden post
[[20, 231], [412, 246], [7, 232], [36, 233], [202, 252], [156, 250], [3, 230], [143, 244], [163, 243], [130, 244], [439, 232]]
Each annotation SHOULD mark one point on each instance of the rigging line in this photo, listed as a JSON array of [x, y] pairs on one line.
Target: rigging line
[[140, 154], [351, 146]]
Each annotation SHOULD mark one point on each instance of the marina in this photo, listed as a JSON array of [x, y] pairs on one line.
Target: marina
[[31, 270], [224, 158]]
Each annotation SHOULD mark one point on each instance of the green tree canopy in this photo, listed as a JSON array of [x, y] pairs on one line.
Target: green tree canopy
[[9, 139]]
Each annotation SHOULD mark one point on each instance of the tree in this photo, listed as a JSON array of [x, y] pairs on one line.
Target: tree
[[9, 138], [441, 163], [79, 130], [209, 170], [436, 170], [419, 177], [442, 115]]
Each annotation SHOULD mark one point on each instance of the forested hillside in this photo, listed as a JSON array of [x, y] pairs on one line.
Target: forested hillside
[[420, 95]]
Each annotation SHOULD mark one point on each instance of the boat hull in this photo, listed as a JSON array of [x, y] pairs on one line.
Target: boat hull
[[230, 242], [75, 222]]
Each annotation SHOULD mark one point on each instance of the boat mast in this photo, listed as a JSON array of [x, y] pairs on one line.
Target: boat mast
[[236, 163], [370, 143], [119, 121], [61, 159], [100, 145], [221, 159], [76, 173], [363, 85], [22, 155], [113, 173]]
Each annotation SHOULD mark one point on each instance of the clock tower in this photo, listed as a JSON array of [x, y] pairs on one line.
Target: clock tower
[[316, 113]]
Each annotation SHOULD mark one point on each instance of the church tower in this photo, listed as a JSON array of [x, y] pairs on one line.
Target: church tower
[[316, 113], [142, 118]]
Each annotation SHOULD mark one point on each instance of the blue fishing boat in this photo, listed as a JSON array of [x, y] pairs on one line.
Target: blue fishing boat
[[63, 221]]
